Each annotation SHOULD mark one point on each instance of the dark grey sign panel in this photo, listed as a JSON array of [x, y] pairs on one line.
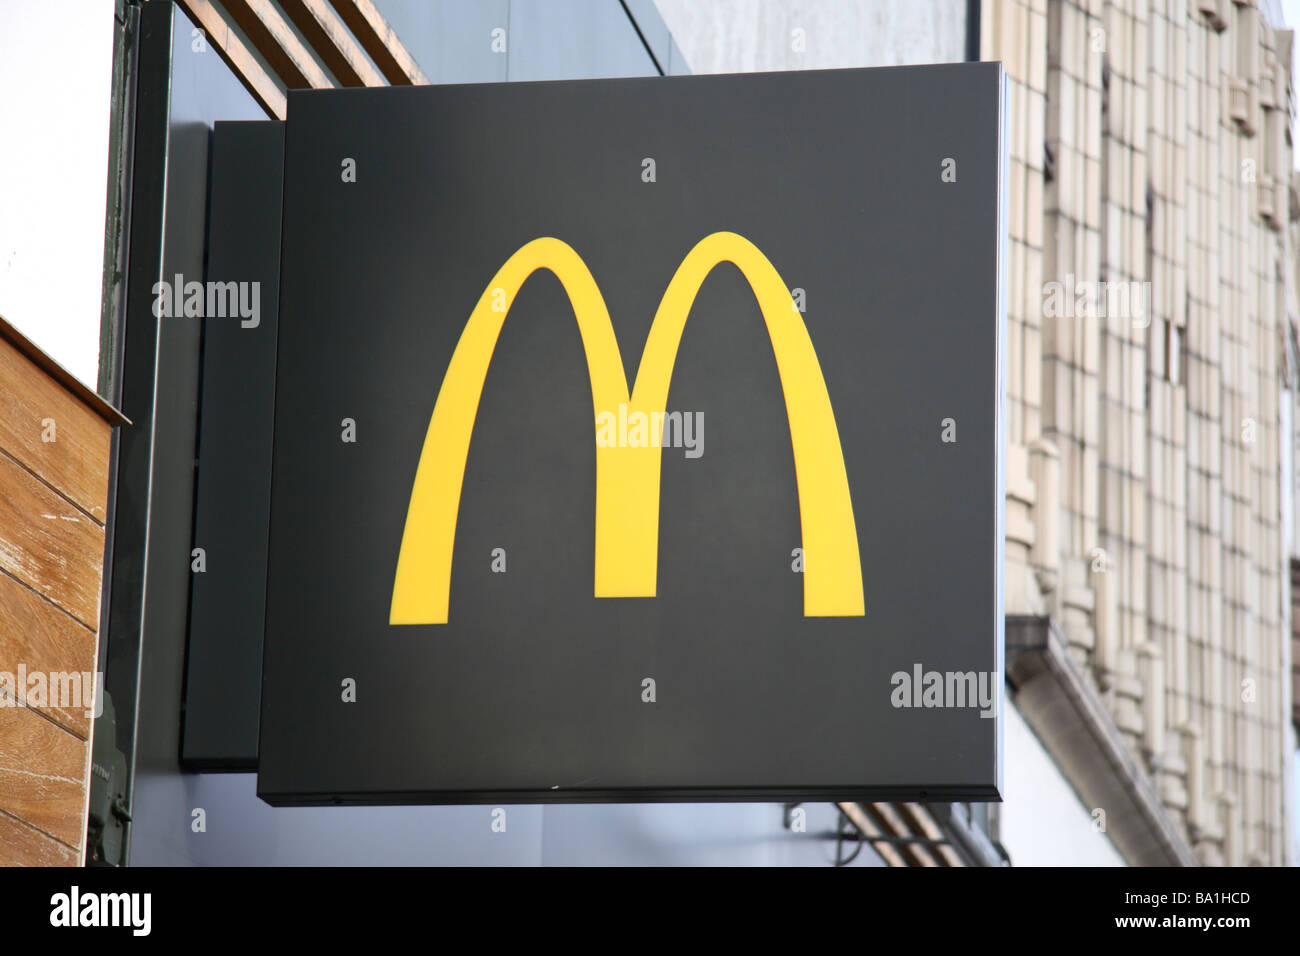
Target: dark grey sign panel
[[223, 661], [639, 440]]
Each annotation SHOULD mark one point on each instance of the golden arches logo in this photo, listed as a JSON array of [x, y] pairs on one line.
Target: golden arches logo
[[627, 477]]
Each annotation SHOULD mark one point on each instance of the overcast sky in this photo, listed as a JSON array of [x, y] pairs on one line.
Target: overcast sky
[[56, 63]]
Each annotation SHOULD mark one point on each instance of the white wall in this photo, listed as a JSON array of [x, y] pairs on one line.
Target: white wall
[[743, 36], [56, 61], [1043, 822]]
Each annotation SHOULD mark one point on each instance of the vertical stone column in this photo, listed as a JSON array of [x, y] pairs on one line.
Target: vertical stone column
[[1015, 31]]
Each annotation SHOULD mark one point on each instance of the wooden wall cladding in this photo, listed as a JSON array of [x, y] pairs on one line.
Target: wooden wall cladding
[[76, 462], [55, 439], [48, 544], [42, 774], [21, 843]]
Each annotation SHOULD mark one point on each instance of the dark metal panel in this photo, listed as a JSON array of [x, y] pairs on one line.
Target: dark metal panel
[[182, 86], [125, 587], [232, 498], [202, 90]]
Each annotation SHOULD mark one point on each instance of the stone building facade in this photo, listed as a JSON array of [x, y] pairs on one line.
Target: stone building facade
[[1148, 428]]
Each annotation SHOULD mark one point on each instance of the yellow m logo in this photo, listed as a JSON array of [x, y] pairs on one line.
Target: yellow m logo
[[627, 478]]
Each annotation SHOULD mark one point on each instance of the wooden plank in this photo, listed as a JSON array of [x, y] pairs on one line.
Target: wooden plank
[[919, 819], [42, 774], [22, 845], [868, 829], [378, 39], [272, 36], [48, 544], [88, 396], [45, 639], [53, 434], [259, 83], [891, 824], [332, 42]]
